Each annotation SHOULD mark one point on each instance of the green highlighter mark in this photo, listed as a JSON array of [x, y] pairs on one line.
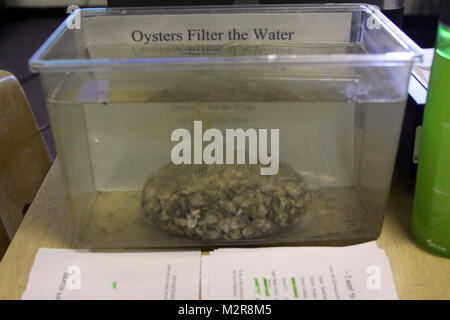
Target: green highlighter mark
[[266, 287], [114, 285], [294, 286], [258, 288]]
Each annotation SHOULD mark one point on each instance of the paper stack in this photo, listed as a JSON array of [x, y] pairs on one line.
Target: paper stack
[[303, 273], [76, 274], [354, 272]]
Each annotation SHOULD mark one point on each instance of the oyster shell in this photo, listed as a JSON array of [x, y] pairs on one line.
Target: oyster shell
[[222, 202]]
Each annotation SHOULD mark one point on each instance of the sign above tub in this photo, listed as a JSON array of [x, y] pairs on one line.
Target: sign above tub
[[162, 31]]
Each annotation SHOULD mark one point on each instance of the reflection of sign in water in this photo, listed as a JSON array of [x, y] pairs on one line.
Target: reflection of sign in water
[[180, 50]]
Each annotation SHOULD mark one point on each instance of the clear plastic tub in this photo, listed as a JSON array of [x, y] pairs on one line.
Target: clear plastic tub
[[220, 126]]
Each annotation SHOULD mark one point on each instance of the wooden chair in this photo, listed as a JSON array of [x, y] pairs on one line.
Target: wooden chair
[[4, 241], [24, 157]]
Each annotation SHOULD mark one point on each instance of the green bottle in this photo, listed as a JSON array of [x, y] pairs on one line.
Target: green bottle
[[431, 212]]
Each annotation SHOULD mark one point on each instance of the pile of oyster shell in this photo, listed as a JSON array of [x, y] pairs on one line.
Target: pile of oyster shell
[[223, 202]]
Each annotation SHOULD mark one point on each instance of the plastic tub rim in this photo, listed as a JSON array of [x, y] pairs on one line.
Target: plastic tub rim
[[413, 53]]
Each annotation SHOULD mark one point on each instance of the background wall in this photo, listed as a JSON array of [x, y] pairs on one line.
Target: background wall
[[422, 7], [55, 3], [413, 7]]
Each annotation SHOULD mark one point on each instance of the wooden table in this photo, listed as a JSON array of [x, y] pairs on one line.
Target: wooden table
[[418, 274]]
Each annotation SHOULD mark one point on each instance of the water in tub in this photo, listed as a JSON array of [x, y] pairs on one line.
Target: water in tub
[[118, 135]]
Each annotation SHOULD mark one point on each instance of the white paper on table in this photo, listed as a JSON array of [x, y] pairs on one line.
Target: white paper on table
[[79, 274], [204, 276], [353, 272]]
